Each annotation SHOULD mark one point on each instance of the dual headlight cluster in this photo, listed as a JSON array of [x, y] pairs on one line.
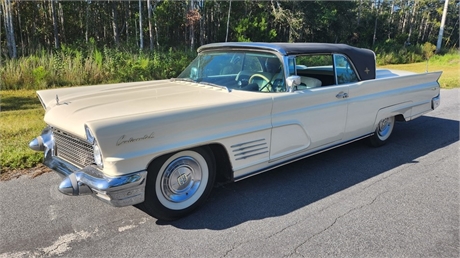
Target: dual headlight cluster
[[96, 149]]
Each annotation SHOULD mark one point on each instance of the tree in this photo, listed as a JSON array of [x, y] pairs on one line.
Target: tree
[[228, 20], [116, 36], [149, 17], [9, 28], [441, 29], [193, 18], [46, 24], [55, 24], [141, 37]]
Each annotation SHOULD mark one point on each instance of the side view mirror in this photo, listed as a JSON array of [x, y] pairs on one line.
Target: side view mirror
[[292, 82]]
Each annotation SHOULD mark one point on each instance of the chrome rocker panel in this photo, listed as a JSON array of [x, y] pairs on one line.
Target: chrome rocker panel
[[119, 191]]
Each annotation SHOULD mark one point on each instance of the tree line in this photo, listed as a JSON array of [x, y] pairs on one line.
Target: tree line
[[31, 26]]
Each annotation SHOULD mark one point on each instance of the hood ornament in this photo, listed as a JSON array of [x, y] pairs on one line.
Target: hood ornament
[[57, 101]]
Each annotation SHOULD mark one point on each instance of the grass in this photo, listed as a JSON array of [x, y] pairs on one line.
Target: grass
[[450, 67], [70, 67], [21, 121]]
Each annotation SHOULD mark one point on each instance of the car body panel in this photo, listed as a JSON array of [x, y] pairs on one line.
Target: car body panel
[[318, 111]]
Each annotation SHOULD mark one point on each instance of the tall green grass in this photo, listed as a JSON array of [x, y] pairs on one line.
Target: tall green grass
[[71, 67]]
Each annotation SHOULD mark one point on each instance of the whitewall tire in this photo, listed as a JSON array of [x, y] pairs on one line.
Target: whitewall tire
[[178, 183]]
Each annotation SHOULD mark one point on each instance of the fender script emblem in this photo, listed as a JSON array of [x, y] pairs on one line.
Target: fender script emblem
[[124, 139]]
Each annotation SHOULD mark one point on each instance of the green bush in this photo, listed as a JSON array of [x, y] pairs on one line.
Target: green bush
[[392, 53]]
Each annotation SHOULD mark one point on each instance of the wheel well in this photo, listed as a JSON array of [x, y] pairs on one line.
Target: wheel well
[[400, 118], [224, 172]]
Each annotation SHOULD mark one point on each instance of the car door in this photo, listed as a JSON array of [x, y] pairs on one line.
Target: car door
[[310, 118]]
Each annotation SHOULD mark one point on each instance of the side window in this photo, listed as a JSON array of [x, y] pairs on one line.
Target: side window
[[315, 70], [344, 70], [314, 60]]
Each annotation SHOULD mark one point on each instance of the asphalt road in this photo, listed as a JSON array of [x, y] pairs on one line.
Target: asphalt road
[[399, 200]]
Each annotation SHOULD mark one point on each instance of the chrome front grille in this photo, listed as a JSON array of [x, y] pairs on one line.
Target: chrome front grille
[[73, 149]]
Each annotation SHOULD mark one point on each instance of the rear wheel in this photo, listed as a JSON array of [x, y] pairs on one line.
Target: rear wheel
[[178, 183], [382, 132]]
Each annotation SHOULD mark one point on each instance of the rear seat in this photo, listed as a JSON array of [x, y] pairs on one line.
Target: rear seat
[[310, 82]]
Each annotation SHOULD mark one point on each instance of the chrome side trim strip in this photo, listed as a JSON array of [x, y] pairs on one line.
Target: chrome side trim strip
[[244, 143], [299, 158], [245, 148], [249, 151], [252, 155]]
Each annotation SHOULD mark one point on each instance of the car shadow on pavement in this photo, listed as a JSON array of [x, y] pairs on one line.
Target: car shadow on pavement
[[297, 185]]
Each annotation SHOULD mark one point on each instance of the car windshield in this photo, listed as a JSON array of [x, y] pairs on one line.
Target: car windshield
[[248, 71]]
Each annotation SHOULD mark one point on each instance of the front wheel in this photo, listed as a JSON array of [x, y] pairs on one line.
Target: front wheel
[[179, 183], [382, 132]]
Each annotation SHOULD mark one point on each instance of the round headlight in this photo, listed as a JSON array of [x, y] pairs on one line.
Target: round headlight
[[97, 155]]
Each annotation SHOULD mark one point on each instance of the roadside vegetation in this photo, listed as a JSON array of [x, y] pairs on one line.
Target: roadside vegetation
[[71, 67]]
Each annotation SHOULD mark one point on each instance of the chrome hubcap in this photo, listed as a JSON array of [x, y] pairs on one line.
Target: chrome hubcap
[[181, 179], [384, 127]]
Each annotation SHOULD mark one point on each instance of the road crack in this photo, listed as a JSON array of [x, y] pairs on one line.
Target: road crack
[[295, 251]]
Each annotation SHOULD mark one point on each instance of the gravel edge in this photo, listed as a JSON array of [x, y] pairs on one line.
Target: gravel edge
[[8, 173]]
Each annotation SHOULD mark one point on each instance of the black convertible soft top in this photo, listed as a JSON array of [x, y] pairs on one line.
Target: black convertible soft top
[[363, 59]]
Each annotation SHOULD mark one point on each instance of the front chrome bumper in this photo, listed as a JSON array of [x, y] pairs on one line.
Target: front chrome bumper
[[118, 191]]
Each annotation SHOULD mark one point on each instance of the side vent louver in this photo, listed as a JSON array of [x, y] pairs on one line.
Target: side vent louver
[[249, 149]]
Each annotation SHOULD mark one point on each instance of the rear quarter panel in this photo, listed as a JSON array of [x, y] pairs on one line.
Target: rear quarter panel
[[409, 94]]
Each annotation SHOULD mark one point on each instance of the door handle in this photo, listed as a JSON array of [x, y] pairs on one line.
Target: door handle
[[342, 95]]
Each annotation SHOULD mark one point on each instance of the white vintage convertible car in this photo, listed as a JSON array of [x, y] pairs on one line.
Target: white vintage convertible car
[[237, 110]]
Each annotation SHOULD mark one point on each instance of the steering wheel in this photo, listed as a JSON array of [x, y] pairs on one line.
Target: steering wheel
[[263, 77]]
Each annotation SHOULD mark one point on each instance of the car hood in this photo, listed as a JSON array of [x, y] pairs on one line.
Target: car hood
[[70, 108]]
